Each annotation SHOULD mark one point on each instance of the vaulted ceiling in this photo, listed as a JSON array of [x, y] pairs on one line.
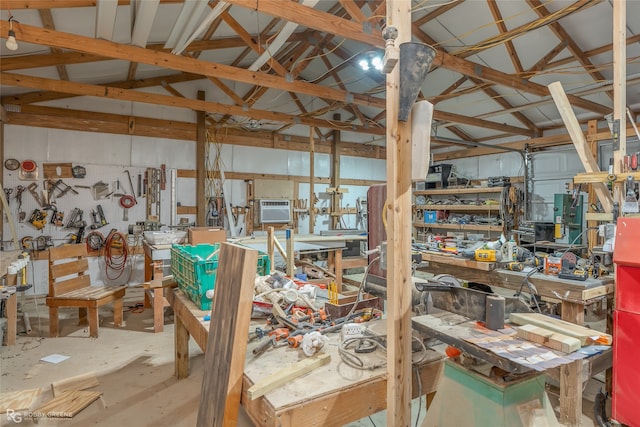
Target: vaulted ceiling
[[281, 67]]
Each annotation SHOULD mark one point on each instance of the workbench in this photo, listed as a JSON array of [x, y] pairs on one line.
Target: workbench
[[313, 243], [452, 329], [573, 295], [331, 395], [11, 307]]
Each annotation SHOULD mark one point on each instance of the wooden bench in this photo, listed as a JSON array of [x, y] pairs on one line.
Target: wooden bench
[[70, 286]]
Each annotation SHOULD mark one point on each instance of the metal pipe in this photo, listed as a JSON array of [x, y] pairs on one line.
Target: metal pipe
[[27, 323]]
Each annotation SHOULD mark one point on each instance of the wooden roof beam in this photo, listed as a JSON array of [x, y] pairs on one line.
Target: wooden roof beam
[[590, 53], [80, 120], [61, 4], [573, 47], [170, 101], [497, 16], [47, 22], [40, 36], [437, 12], [33, 97]]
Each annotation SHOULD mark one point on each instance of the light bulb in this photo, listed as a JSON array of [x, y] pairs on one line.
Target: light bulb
[[11, 41], [377, 63], [364, 64]]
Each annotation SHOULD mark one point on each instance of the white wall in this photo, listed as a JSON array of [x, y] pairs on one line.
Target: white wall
[[551, 170], [107, 156]]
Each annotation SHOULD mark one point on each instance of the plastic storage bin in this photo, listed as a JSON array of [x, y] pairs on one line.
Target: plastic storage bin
[[194, 268]]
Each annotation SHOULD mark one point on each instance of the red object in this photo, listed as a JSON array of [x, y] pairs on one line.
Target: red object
[[28, 165], [452, 351], [634, 161], [626, 324], [127, 201]]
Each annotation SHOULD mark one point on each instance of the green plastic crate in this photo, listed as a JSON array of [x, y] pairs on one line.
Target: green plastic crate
[[195, 272]]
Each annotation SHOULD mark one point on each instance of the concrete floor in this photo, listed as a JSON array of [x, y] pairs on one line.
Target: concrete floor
[[134, 367]]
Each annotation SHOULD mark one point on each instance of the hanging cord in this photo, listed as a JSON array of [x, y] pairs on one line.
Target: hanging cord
[[95, 241], [116, 252]]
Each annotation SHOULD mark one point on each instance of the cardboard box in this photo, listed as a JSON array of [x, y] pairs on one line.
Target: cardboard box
[[430, 217], [199, 235]]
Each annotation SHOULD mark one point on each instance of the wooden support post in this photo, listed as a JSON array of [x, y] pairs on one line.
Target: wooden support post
[[335, 176], [312, 181], [201, 164], [592, 233], [225, 354], [579, 142], [291, 256], [398, 236], [249, 213], [572, 312], [570, 389], [271, 246], [12, 315], [619, 94], [181, 343]]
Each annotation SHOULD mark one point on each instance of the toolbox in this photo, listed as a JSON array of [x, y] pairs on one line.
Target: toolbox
[[194, 269]]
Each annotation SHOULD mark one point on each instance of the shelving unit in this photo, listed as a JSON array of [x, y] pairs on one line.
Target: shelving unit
[[481, 195]]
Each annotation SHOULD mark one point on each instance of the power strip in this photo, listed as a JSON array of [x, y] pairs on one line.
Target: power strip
[[353, 330]]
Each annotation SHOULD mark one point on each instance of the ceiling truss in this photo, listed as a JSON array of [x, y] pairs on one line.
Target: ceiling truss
[[306, 41]]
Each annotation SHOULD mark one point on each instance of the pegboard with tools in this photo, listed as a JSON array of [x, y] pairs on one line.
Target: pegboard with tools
[[52, 205]]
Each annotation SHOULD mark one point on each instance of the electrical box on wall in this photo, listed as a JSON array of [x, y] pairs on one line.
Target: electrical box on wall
[[275, 211]]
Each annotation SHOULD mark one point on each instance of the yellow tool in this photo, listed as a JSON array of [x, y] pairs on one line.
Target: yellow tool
[[38, 219], [487, 255], [514, 266], [332, 291]]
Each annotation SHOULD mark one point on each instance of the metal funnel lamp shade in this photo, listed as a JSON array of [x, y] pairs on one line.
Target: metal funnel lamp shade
[[415, 62], [11, 43]]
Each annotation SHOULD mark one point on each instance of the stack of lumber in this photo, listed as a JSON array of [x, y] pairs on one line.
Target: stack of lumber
[[556, 333]]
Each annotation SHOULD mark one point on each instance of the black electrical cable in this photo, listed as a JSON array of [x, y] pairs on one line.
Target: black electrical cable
[[95, 241]]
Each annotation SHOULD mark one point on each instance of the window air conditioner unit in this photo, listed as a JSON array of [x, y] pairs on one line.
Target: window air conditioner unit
[[275, 211]]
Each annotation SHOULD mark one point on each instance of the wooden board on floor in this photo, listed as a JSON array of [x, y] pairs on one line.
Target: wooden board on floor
[[227, 343], [69, 403], [18, 400], [79, 382]]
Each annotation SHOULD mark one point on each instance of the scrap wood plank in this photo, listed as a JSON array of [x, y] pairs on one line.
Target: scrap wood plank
[[585, 335], [547, 338], [458, 261], [286, 374], [69, 403], [51, 170], [79, 382], [227, 343], [20, 400]]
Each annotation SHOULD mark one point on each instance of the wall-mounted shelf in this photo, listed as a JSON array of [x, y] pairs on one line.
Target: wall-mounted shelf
[[471, 202], [472, 208], [452, 191], [461, 227]]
